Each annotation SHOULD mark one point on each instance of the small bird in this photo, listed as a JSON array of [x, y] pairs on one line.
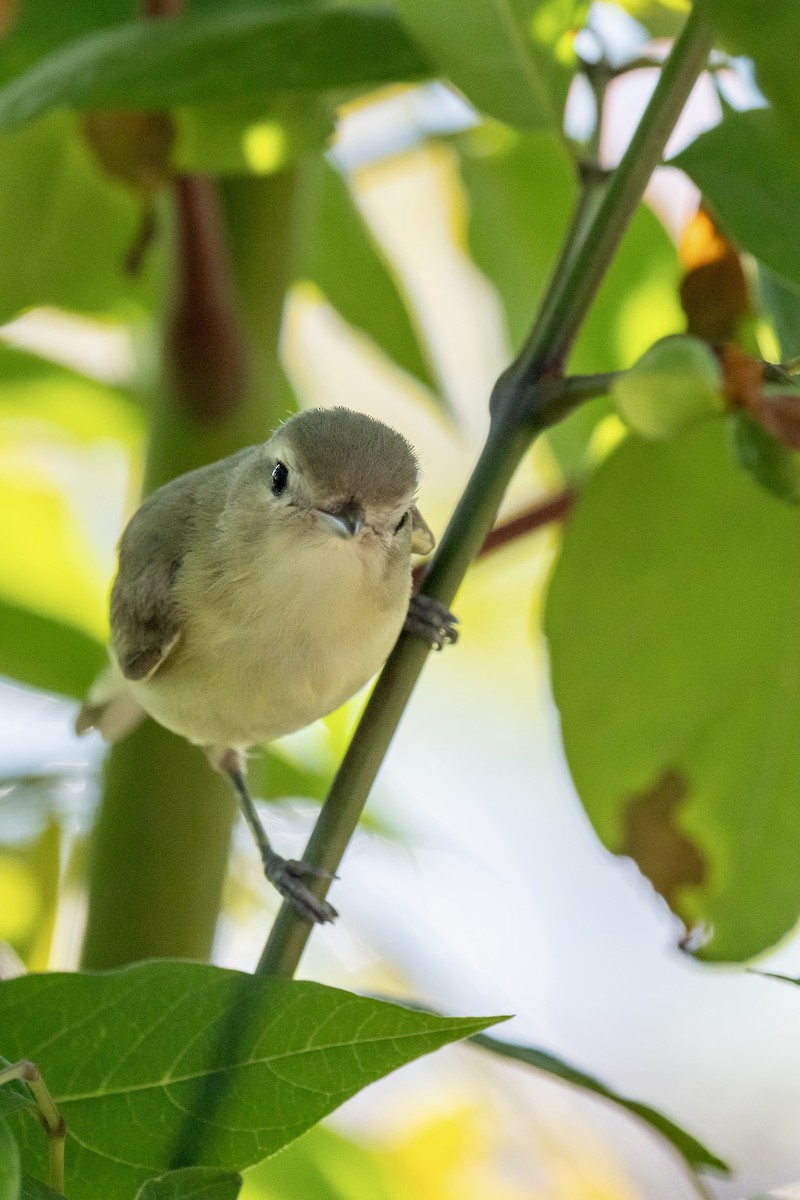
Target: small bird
[[259, 593]]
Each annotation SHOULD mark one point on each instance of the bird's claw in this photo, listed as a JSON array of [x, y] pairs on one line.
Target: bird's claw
[[432, 621], [286, 876]]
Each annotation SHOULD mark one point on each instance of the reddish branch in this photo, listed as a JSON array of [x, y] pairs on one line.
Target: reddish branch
[[547, 512], [205, 352]]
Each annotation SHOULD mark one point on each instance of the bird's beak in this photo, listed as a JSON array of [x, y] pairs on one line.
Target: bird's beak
[[344, 520]]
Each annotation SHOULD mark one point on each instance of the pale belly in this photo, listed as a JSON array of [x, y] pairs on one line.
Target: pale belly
[[276, 661]]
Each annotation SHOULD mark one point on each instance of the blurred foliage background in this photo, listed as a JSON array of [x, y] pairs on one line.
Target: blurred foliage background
[[189, 254]]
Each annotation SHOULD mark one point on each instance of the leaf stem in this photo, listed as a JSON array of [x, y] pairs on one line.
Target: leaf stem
[[51, 1120], [529, 396]]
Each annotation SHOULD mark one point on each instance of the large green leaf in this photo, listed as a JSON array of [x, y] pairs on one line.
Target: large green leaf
[[67, 227], [763, 32], [136, 1059], [10, 1174], [501, 53], [675, 651], [341, 257], [192, 1183], [694, 1152], [749, 169], [231, 54]]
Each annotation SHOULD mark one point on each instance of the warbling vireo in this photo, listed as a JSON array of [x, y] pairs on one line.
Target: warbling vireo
[[259, 593]]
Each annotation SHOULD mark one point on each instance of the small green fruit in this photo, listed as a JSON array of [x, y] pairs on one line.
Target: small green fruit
[[774, 466], [674, 385]]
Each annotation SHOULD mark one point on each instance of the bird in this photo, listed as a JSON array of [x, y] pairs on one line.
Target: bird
[[258, 593]]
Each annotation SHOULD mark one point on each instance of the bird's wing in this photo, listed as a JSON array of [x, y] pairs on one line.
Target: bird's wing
[[422, 540], [146, 620]]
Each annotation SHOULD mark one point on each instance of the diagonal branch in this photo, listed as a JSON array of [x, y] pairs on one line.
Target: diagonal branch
[[529, 396]]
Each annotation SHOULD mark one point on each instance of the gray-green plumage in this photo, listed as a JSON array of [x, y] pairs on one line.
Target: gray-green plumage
[[243, 610]]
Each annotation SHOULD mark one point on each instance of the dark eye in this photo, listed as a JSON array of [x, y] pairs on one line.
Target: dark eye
[[401, 522], [280, 474]]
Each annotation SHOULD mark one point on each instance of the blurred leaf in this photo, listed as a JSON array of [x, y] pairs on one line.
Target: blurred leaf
[[763, 34], [67, 226], [274, 1056], [693, 1152], [749, 170], [251, 136], [773, 465], [322, 1165], [275, 776], [47, 654], [192, 1183], [224, 55], [491, 51], [42, 858], [54, 402], [10, 1175], [342, 259], [681, 657], [47, 563], [781, 299], [521, 191], [661, 18]]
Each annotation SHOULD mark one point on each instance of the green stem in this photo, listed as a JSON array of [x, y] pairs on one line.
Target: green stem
[[51, 1119], [523, 403], [571, 294]]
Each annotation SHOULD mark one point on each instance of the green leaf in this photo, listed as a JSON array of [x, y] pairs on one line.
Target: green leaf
[[135, 1059], [763, 34], [34, 1189], [48, 654], [342, 259], [67, 227], [231, 54], [774, 465], [694, 1152], [675, 658], [192, 1183], [499, 53], [250, 137], [749, 169], [10, 1175]]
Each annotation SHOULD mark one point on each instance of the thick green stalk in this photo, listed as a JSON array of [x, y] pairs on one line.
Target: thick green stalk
[[524, 401], [161, 843]]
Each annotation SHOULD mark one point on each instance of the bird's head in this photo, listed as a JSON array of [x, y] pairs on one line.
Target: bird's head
[[344, 475]]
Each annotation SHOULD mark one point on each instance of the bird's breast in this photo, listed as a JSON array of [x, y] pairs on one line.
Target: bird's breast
[[281, 642]]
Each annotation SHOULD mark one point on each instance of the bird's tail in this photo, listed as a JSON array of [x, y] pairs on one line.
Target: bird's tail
[[110, 707]]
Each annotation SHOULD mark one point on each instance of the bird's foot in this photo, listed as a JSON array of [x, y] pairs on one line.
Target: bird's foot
[[432, 621], [286, 875]]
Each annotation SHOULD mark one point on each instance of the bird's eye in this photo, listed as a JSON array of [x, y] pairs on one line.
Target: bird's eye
[[401, 522], [280, 474]]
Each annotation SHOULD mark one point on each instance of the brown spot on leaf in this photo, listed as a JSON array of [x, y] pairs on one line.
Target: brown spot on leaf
[[663, 853], [713, 291]]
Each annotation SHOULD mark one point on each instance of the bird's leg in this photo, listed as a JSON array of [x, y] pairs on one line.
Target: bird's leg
[[285, 874], [432, 621]]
